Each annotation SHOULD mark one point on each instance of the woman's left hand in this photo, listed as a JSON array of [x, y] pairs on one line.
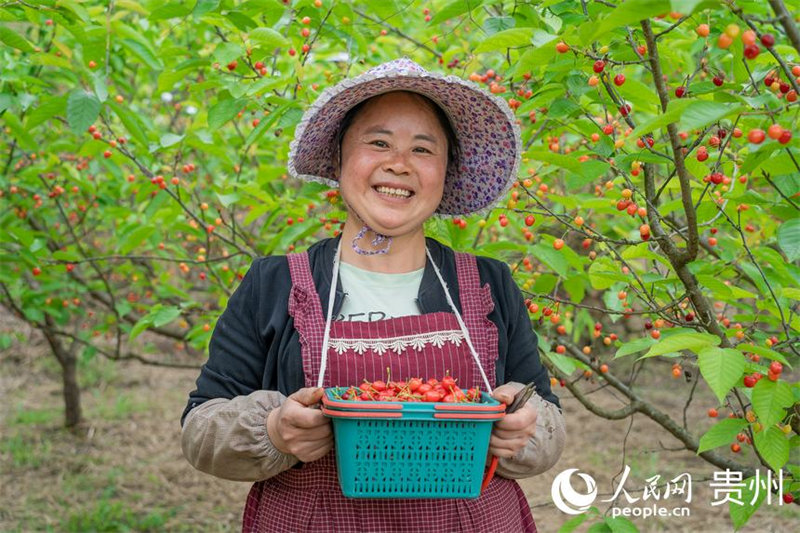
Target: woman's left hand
[[513, 432]]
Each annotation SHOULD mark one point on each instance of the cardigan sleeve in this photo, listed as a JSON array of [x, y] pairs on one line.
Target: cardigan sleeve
[[523, 365], [224, 429]]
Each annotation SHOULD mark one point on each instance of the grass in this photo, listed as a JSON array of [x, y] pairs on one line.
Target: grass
[[113, 515], [26, 451]]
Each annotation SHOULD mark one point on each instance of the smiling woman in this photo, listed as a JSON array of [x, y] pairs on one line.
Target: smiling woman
[[402, 144]]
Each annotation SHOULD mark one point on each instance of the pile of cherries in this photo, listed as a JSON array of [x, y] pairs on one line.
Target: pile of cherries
[[411, 390]]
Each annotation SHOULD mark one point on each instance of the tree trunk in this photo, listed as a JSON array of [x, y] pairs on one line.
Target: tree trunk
[[68, 360]]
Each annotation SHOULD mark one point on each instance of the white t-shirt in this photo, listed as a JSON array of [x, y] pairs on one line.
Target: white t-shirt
[[372, 296]]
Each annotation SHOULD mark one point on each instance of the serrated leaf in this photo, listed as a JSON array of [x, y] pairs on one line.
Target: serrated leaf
[[752, 498], [82, 110], [570, 525], [552, 258], [22, 136], [268, 38], [773, 446], [142, 52], [631, 12], [721, 434], [700, 114], [47, 108], [169, 11], [170, 139], [130, 121], [620, 524], [513, 38], [565, 364], [454, 9], [14, 40], [721, 368], [165, 316], [223, 111], [135, 238], [789, 238], [763, 352], [684, 339], [632, 347], [770, 400]]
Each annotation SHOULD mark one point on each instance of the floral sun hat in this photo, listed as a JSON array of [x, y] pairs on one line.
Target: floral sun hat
[[485, 127]]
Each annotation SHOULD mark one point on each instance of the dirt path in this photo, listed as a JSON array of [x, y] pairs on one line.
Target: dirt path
[[125, 471]]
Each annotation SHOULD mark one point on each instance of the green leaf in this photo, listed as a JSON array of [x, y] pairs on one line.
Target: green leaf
[[552, 258], [700, 114], [789, 238], [570, 525], [721, 433], [763, 352], [630, 12], [223, 111], [14, 40], [773, 446], [205, 6], [268, 38], [603, 273], [638, 345], [454, 9], [170, 139], [135, 238], [675, 109], [170, 11], [130, 121], [20, 133], [770, 400], [165, 316], [100, 89], [142, 52], [620, 524], [565, 364], [752, 498], [83, 108], [721, 367], [497, 24], [683, 339], [47, 108], [513, 38]]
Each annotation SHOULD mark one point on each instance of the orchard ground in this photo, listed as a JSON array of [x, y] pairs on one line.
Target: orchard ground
[[125, 471]]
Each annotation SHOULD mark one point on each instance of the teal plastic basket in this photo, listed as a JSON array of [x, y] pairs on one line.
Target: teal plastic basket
[[411, 449]]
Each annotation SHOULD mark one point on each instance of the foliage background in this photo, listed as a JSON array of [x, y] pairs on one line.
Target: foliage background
[[123, 243]]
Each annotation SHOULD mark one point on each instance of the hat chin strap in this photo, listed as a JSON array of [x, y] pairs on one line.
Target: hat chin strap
[[379, 239]]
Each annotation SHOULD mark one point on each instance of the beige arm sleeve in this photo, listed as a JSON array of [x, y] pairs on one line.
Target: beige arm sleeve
[[543, 449], [228, 438]]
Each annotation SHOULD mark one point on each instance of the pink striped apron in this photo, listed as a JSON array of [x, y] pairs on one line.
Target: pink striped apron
[[309, 498]]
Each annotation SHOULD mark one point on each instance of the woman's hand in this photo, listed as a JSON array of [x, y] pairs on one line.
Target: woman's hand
[[513, 432], [298, 429]]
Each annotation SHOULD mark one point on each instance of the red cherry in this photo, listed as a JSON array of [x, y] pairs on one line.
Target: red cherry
[[756, 136], [735, 448], [598, 66], [788, 497], [702, 153], [785, 137], [619, 79], [767, 40], [749, 382], [529, 220], [624, 110], [713, 413], [717, 81], [751, 51], [776, 367], [680, 92], [36, 271]]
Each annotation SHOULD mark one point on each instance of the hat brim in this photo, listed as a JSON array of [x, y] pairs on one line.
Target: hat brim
[[486, 129]]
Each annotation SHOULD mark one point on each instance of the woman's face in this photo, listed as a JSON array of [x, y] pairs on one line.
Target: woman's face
[[394, 161]]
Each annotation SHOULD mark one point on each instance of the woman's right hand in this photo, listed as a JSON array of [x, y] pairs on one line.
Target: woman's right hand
[[298, 429]]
